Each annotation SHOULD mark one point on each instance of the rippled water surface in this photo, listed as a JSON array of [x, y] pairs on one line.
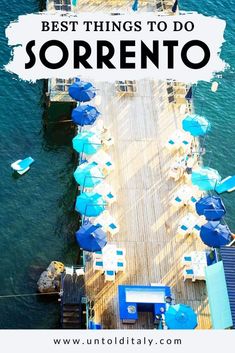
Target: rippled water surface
[[37, 221], [219, 107]]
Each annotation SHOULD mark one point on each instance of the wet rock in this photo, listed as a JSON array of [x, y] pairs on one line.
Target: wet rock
[[50, 280]]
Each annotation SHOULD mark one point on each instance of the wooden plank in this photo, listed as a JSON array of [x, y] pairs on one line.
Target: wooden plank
[[140, 127]]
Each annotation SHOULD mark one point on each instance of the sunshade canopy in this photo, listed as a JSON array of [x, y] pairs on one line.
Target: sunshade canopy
[[196, 125], [90, 204], [91, 238], [215, 234], [82, 91], [180, 317], [84, 115], [86, 142], [205, 178], [88, 175], [211, 207]]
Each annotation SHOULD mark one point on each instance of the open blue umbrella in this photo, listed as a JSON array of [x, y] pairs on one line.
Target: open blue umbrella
[[82, 91], [88, 175], [84, 115], [196, 125], [211, 207], [91, 238], [180, 317], [86, 142], [90, 204], [215, 234], [205, 178]]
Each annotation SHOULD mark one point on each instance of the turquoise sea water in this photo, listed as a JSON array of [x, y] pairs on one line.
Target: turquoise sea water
[[219, 107], [37, 221]]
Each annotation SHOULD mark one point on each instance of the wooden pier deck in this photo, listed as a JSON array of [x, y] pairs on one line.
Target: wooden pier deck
[[140, 125], [110, 6]]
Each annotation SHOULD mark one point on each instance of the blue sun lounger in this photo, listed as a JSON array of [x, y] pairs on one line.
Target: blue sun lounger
[[226, 185], [22, 166]]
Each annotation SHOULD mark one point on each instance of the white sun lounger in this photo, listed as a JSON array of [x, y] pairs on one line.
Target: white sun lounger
[[69, 271], [79, 271]]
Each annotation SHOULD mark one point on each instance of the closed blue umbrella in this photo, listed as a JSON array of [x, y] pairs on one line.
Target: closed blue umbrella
[[180, 317], [196, 125], [175, 6], [205, 178], [86, 142], [84, 115], [91, 238], [82, 91], [88, 175], [211, 207], [215, 234], [135, 5], [189, 94], [90, 204]]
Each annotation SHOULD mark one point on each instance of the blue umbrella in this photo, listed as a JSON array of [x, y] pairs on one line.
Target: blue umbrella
[[82, 91], [84, 115], [211, 207], [196, 125], [175, 6], [91, 238], [215, 234], [135, 5], [88, 175], [86, 142], [189, 94], [205, 178], [90, 204], [180, 317]]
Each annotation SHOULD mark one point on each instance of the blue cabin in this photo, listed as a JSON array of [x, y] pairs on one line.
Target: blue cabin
[[134, 299]]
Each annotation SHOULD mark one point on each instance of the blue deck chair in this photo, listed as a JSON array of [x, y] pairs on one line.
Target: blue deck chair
[[98, 265], [189, 272], [112, 226], [110, 273], [121, 265], [110, 196], [109, 276]]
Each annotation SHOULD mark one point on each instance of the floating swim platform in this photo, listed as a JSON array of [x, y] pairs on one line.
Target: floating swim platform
[[226, 185], [22, 166]]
